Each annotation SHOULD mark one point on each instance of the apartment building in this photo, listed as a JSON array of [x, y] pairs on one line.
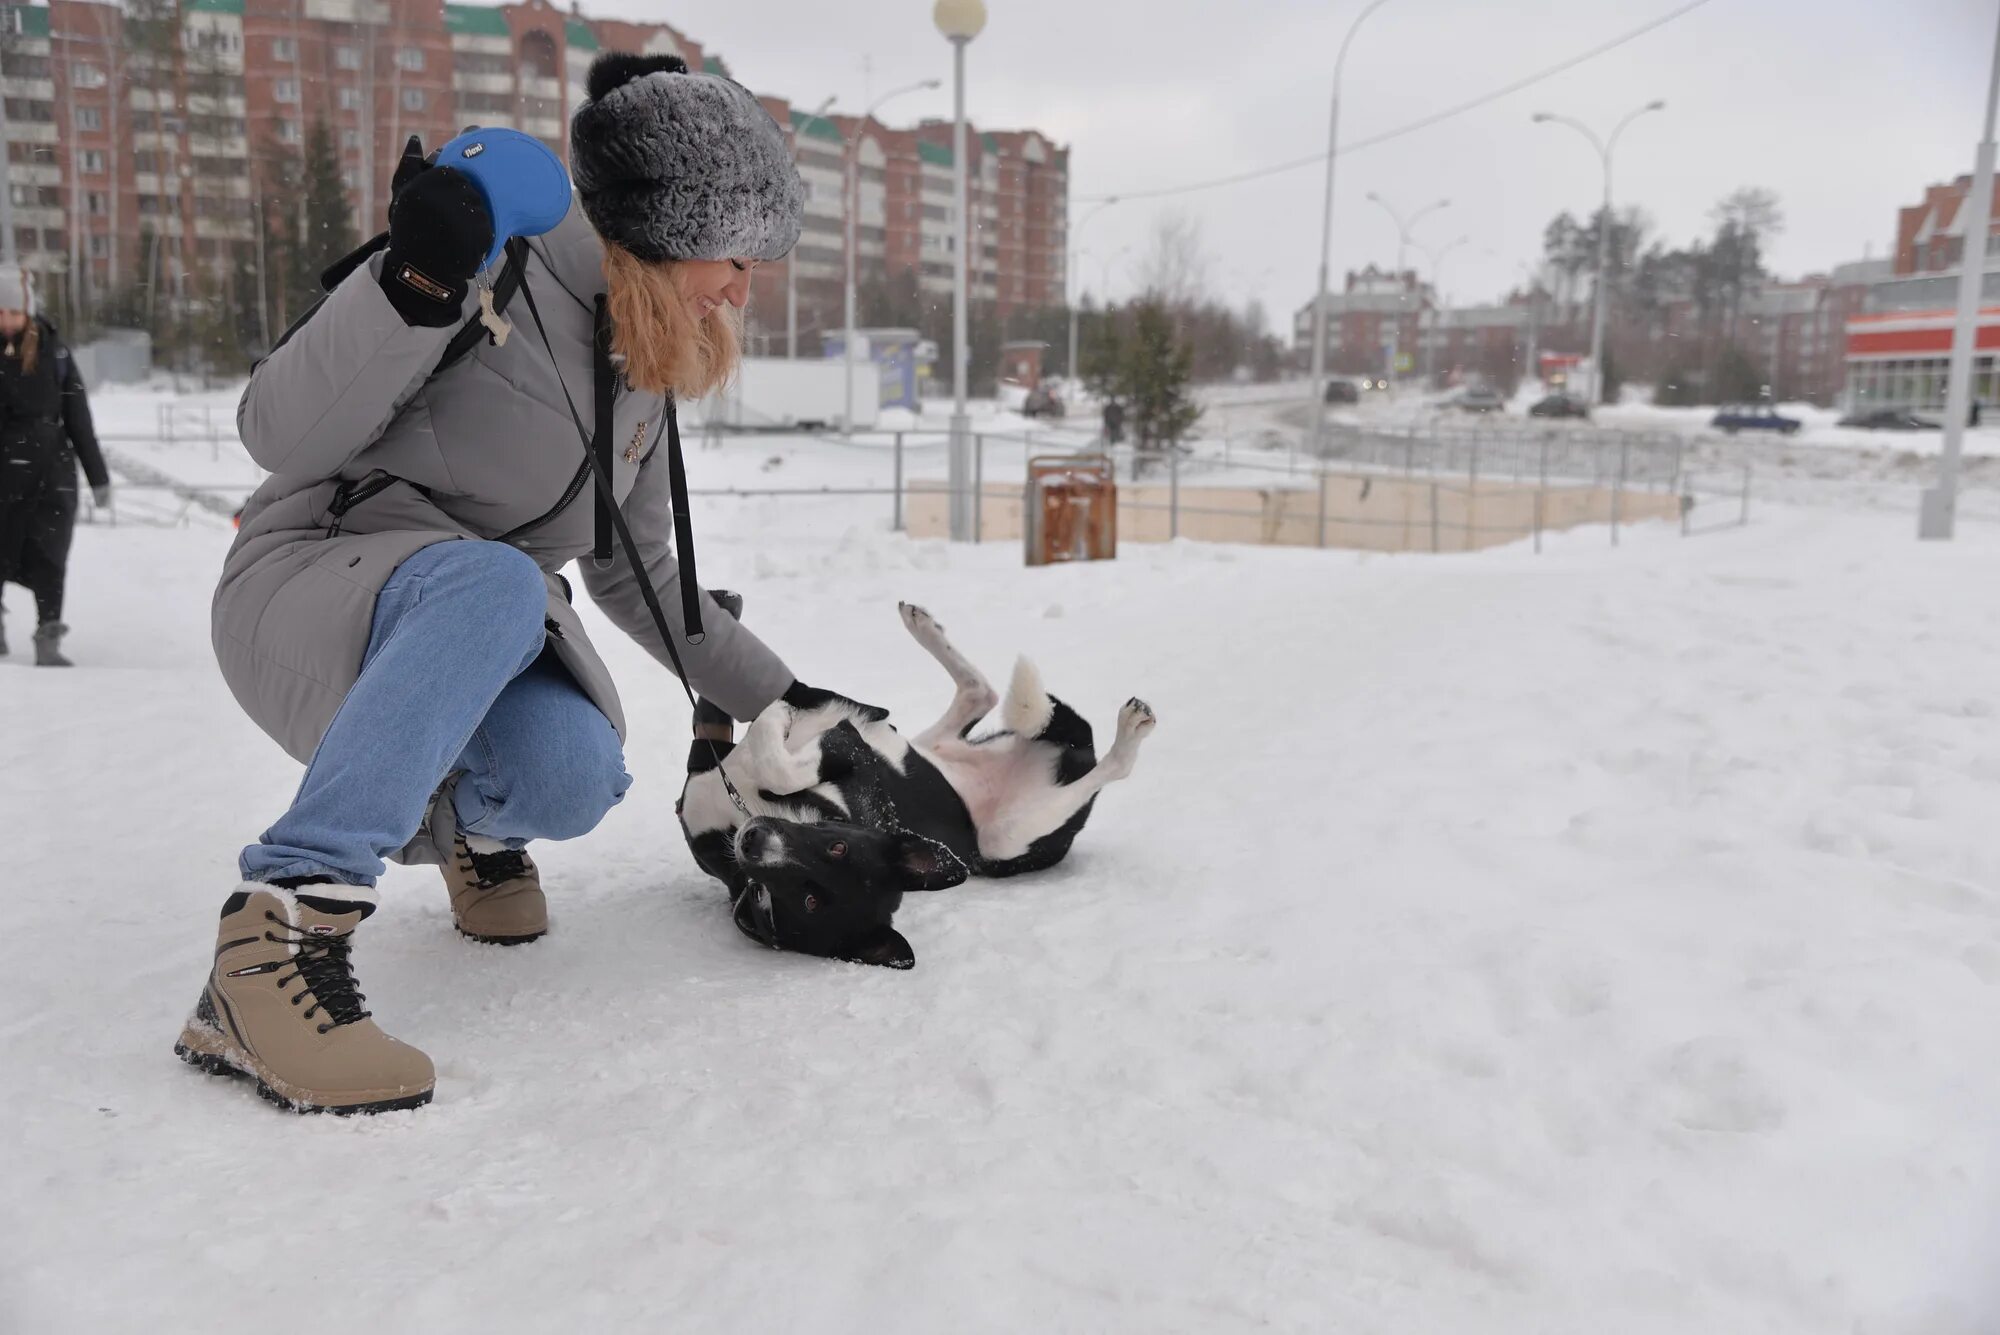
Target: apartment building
[[116, 132]]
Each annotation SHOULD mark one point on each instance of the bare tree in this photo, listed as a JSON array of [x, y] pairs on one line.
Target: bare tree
[[1754, 211], [1174, 272]]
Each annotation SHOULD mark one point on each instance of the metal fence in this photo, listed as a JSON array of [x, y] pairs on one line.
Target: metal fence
[[1433, 486]]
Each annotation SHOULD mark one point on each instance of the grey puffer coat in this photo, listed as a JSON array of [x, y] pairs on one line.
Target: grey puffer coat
[[486, 449]]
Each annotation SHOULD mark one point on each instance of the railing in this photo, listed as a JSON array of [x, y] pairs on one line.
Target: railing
[[1431, 487]]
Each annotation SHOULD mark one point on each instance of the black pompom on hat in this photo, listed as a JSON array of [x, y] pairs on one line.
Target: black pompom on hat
[[678, 166]]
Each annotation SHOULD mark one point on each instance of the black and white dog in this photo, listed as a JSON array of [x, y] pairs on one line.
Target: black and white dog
[[845, 815]]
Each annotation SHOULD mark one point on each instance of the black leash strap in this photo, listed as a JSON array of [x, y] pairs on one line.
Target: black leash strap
[[608, 496], [605, 381], [677, 489]]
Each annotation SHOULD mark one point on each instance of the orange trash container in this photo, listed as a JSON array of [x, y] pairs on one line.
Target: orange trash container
[[1071, 509]]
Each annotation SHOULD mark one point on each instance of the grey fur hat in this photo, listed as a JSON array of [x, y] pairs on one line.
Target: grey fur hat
[[678, 166]]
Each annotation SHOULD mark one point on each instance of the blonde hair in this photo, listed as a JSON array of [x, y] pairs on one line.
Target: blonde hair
[[664, 344], [30, 345]]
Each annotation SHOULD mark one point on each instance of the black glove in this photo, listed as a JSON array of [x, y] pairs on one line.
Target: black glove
[[439, 232], [801, 696]]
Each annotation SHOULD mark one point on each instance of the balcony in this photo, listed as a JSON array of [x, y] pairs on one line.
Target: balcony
[[499, 84]]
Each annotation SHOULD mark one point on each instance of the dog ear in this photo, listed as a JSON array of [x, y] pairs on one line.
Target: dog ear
[[884, 946], [924, 864]]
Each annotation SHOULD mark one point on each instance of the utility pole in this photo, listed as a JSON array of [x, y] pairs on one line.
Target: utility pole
[[1940, 503]]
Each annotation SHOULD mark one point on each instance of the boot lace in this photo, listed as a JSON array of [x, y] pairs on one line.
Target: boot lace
[[322, 961], [490, 869]]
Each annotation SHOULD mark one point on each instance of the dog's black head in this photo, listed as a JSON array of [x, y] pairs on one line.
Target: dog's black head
[[833, 890]]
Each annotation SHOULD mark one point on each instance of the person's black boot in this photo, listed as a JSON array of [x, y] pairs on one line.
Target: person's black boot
[[48, 645]]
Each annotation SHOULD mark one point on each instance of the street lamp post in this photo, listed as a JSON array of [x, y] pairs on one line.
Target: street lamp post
[[1936, 516], [1326, 239], [960, 21], [1069, 277], [792, 260], [1403, 229], [1436, 257], [1603, 147], [851, 205]]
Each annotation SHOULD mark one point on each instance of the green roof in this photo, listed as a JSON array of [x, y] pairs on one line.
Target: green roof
[[34, 20], [580, 36], [714, 65], [215, 7], [815, 127], [937, 154], [475, 20]]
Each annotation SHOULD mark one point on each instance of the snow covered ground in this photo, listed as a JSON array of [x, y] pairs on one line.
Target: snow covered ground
[[1604, 941]]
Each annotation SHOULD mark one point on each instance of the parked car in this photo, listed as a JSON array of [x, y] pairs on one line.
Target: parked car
[[1753, 417], [1342, 391], [1480, 399], [1042, 401], [1560, 405], [1889, 419]]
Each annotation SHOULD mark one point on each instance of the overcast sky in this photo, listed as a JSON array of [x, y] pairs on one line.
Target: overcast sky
[[1845, 108]]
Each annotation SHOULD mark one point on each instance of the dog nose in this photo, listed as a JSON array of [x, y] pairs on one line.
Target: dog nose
[[754, 839]]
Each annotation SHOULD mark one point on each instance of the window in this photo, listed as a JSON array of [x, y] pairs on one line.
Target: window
[[410, 57], [288, 132], [83, 74], [89, 118], [350, 99], [284, 48], [143, 161], [413, 99], [350, 178], [285, 90], [93, 162], [95, 204], [350, 139], [347, 57], [100, 247]]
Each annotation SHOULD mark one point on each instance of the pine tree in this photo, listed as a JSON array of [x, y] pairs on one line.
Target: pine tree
[[1102, 357], [1159, 369], [329, 220]]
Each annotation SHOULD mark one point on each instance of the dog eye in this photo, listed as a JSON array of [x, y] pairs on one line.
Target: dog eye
[[836, 849]]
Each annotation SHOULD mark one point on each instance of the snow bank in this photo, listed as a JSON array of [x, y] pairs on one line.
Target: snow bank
[[1600, 942]]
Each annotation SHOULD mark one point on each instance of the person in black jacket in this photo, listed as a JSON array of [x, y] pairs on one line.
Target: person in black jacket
[[44, 431]]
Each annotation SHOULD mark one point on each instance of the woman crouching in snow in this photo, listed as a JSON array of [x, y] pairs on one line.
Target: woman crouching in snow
[[391, 612]]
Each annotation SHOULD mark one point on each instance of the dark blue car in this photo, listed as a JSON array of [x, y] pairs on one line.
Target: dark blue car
[[1755, 417]]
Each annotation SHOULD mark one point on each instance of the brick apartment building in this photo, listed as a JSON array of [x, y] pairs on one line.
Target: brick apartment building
[[1019, 189], [107, 143], [1374, 312], [1898, 341]]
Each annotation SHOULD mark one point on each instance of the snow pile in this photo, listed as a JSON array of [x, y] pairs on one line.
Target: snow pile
[[1600, 942]]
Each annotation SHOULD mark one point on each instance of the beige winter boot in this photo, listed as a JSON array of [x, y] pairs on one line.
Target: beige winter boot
[[496, 892], [281, 1008]]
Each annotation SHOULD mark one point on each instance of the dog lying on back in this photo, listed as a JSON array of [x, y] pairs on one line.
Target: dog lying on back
[[846, 815]]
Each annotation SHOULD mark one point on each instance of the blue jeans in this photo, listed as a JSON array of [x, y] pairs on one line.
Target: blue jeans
[[454, 681]]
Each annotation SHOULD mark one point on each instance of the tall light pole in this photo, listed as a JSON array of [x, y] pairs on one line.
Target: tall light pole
[[960, 21], [1326, 239], [1070, 279], [1403, 228], [1603, 147], [792, 260], [851, 205], [1436, 257], [1937, 513]]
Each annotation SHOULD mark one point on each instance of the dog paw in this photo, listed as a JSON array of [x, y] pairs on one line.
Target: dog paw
[[920, 622], [1136, 719]]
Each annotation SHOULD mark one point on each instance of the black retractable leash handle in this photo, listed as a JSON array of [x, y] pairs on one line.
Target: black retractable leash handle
[[608, 509]]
